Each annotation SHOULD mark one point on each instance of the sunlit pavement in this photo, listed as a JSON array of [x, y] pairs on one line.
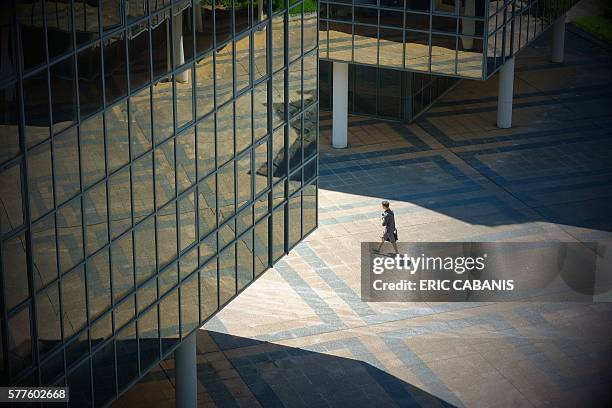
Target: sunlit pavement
[[300, 335]]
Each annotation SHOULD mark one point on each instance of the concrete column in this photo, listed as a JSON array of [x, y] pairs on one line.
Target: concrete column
[[505, 91], [260, 10], [468, 26], [179, 52], [558, 39], [340, 105], [185, 367]]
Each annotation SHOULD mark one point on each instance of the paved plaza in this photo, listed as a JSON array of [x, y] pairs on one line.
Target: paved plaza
[[301, 337]]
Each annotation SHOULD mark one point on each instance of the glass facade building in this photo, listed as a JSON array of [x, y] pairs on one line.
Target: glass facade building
[[467, 39], [156, 157]]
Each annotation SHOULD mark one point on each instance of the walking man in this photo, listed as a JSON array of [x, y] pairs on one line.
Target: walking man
[[389, 230]]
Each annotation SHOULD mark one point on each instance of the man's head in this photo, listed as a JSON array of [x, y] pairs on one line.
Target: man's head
[[385, 205]]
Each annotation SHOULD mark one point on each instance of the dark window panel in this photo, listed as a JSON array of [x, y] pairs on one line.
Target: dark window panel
[[52, 369], [419, 5], [36, 108], [9, 123], [169, 330], [111, 14], [91, 133], [98, 284], [122, 267], [90, 80], [186, 159], [115, 68], [32, 34], [148, 335], [11, 210], [388, 98], [63, 92], [70, 235], [79, 383], [310, 170], [103, 363], [223, 22], [344, 13], [74, 302], [20, 341], [227, 274], [135, 9], [241, 15], [16, 287], [160, 29], [127, 356], [59, 27], [66, 163], [204, 26], [138, 37], [101, 331], [363, 15], [44, 251]]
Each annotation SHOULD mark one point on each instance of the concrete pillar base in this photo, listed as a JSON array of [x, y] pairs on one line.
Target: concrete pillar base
[[505, 93], [185, 367], [340, 105]]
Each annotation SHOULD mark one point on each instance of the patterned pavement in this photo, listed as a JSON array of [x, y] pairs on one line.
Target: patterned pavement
[[300, 335]]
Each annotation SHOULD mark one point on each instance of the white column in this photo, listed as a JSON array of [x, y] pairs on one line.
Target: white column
[[340, 105], [468, 25], [186, 380], [558, 39], [505, 91], [179, 52]]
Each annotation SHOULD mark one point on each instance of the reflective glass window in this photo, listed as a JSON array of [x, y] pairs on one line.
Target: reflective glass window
[[164, 173], [142, 187], [66, 162], [96, 218], [244, 122], [117, 139], [207, 206], [98, 284], [140, 122], [227, 274], [73, 302], [166, 234], [186, 159], [91, 133], [144, 245], [115, 67], [63, 94], [16, 287], [119, 194], [205, 91], [44, 251], [206, 146], [70, 235], [122, 266]]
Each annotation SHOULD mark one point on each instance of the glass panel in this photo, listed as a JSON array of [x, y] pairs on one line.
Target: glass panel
[[76, 348], [142, 187], [103, 363], [225, 134], [119, 195], [39, 181], [295, 220], [186, 159], [101, 331], [207, 206], [227, 274], [144, 258], [260, 49], [278, 42], [260, 111], [244, 220], [11, 211], [204, 26], [184, 97], [310, 79], [279, 163], [295, 88], [36, 107], [243, 122], [59, 27], [278, 193], [73, 302], [206, 146], [261, 207], [163, 122], [188, 262], [160, 41], [365, 43], [243, 63], [164, 173], [127, 356], [70, 235], [227, 233], [90, 80], [166, 234], [169, 321], [205, 91], [295, 143], [190, 314], [140, 122], [224, 74], [309, 209], [135, 9], [138, 36], [243, 169], [310, 132], [443, 53], [208, 289], [261, 168], [52, 369], [295, 32], [122, 267], [9, 123], [148, 339], [340, 40], [147, 295], [295, 182], [245, 260], [92, 150], [391, 48], [96, 221], [310, 25], [223, 21], [44, 251], [278, 233], [66, 161], [15, 271], [261, 247], [32, 35], [115, 65], [417, 50], [117, 139], [188, 221], [19, 341], [225, 192], [241, 15], [63, 103], [469, 57], [98, 284], [124, 312], [278, 98], [208, 249]]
